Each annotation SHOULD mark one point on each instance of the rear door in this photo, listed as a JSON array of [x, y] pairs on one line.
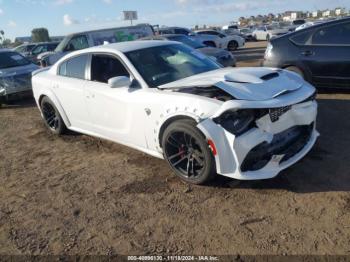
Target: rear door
[[327, 55], [69, 88]]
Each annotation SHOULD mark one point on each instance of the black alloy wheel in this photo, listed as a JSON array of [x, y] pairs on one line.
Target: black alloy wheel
[[188, 153], [52, 117]]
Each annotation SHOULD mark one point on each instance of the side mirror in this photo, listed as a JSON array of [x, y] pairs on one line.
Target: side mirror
[[119, 81]]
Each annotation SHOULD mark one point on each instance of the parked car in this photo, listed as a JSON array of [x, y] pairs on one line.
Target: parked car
[[229, 42], [207, 40], [164, 99], [247, 34], [223, 57], [87, 39], [320, 54], [267, 32], [24, 49], [15, 75], [40, 48]]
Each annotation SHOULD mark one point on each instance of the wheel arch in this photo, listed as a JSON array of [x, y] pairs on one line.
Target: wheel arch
[[171, 120], [57, 104], [305, 71]]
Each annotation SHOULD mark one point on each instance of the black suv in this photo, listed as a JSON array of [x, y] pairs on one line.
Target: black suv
[[320, 53]]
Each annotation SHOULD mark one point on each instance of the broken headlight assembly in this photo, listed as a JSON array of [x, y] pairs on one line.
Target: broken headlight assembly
[[236, 122]]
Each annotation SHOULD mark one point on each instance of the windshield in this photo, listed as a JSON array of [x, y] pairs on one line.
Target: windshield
[[168, 63], [12, 59], [187, 41], [62, 44]]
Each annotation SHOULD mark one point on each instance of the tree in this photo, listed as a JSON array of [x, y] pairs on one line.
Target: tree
[[6, 42], [40, 35], [2, 37]]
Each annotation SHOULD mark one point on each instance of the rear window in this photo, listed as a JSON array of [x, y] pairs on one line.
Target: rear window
[[12, 59]]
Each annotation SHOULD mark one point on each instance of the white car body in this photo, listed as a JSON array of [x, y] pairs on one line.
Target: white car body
[[265, 33], [225, 39], [135, 117]]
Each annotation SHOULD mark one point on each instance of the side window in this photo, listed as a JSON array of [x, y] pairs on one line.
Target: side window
[[62, 70], [105, 67], [39, 49], [332, 35], [301, 38], [74, 67], [77, 43]]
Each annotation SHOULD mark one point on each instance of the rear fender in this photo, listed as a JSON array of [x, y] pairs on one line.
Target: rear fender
[[58, 105]]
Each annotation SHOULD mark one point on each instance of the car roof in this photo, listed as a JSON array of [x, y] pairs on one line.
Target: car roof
[[207, 30], [125, 47], [173, 27], [108, 29]]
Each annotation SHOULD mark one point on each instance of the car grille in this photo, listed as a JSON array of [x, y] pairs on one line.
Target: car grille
[[288, 143], [276, 113]]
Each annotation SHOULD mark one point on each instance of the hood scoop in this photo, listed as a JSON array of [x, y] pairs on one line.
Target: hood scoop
[[243, 78]]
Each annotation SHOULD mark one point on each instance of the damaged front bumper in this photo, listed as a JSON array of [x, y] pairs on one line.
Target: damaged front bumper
[[272, 145], [14, 86]]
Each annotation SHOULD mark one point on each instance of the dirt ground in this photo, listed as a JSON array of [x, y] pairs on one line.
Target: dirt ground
[[79, 195]]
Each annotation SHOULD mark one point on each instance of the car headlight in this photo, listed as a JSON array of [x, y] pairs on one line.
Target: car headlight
[[236, 122], [268, 51]]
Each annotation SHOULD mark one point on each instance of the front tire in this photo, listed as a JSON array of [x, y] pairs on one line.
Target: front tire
[[188, 153], [232, 46], [52, 117]]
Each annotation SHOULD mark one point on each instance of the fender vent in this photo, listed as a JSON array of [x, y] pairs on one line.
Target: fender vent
[[269, 76]]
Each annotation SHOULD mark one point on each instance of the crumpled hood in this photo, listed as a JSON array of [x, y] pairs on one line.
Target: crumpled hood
[[254, 84]]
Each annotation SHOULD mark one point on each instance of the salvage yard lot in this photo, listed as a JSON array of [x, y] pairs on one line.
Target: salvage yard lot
[[80, 195]]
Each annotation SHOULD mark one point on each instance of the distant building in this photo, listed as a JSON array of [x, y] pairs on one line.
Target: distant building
[[340, 11], [296, 15], [328, 13], [316, 14]]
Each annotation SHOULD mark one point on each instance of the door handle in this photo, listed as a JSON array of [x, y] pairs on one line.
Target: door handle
[[308, 53]]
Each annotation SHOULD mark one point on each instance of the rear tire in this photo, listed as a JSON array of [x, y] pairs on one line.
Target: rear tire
[[188, 153], [295, 70], [52, 117]]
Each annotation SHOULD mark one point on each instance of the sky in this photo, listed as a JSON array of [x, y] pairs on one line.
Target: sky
[[60, 17]]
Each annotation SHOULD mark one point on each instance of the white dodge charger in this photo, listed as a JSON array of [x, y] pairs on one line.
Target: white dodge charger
[[172, 102]]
